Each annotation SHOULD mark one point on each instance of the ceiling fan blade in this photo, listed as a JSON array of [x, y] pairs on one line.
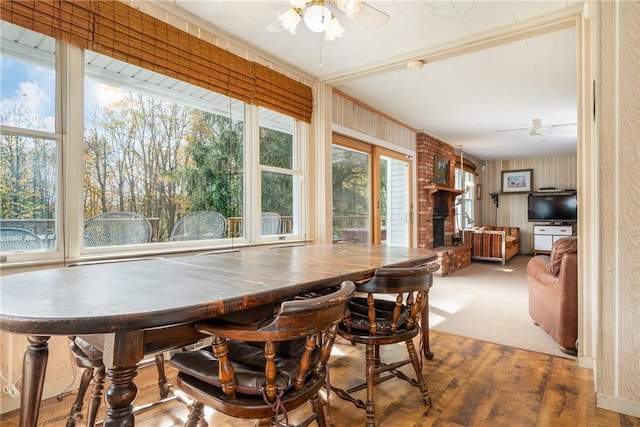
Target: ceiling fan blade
[[275, 26], [564, 124], [510, 130], [370, 16]]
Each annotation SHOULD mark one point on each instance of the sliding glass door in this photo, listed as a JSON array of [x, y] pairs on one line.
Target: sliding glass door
[[371, 194], [395, 214], [351, 195]]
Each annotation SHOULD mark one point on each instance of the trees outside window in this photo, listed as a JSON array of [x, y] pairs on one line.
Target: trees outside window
[[137, 142], [29, 142]]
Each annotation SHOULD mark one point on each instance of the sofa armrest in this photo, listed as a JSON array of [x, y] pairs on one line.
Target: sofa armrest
[[553, 299]]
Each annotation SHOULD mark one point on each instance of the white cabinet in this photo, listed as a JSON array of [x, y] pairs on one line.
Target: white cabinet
[[545, 235]]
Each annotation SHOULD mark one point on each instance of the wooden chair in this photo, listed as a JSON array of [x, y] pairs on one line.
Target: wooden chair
[[201, 225], [377, 321], [270, 223], [14, 239], [116, 228], [263, 368]]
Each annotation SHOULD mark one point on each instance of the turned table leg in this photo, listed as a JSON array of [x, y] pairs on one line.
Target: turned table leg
[[33, 370], [120, 396], [122, 353], [424, 322]]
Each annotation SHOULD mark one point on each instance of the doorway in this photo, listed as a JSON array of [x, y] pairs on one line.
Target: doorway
[[372, 194]]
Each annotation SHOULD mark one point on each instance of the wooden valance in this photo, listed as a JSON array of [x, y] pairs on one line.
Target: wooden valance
[[117, 30], [469, 166]]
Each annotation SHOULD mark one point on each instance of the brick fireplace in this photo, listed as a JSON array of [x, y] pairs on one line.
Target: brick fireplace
[[436, 213]]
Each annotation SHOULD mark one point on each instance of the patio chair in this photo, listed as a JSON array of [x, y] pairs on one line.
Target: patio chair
[[200, 225], [270, 223], [19, 240], [116, 228]]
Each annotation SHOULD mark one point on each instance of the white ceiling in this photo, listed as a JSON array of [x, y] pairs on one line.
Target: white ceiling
[[491, 65]]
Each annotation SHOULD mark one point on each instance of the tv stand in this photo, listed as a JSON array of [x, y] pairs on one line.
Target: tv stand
[[544, 235]]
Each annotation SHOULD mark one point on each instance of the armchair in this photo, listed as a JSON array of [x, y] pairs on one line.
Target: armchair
[[493, 243], [553, 292]]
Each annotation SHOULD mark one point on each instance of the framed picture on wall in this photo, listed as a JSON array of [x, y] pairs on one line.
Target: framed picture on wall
[[517, 181], [441, 171]]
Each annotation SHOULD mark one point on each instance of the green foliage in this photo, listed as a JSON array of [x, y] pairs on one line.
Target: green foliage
[[214, 174]]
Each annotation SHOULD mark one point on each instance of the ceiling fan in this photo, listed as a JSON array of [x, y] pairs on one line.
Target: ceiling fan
[[318, 16], [537, 129]]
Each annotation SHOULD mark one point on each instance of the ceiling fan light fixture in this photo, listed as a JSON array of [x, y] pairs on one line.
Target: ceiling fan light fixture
[[317, 16], [349, 7], [290, 19], [334, 30]]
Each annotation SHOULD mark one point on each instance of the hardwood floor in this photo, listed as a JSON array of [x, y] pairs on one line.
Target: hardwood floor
[[472, 383]]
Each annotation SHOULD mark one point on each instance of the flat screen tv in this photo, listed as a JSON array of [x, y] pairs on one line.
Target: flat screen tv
[[561, 208]]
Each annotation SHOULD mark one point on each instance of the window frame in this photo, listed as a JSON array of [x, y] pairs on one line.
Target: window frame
[[70, 75], [57, 253]]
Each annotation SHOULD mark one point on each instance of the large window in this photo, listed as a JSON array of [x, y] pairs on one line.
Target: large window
[[30, 142], [161, 148], [279, 174], [144, 156]]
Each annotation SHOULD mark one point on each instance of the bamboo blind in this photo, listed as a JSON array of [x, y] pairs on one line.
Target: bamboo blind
[[117, 30]]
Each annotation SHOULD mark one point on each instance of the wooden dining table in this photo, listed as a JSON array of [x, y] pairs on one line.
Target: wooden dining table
[[150, 305]]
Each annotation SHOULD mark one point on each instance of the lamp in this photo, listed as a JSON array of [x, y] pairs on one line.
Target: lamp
[[317, 16]]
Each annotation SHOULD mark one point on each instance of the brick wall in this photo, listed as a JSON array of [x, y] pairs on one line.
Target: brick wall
[[453, 259], [427, 148]]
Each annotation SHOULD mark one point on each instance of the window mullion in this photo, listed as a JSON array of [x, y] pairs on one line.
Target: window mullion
[[72, 119]]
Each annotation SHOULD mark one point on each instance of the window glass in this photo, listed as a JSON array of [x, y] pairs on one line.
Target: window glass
[[350, 175], [279, 178], [163, 149], [464, 205], [29, 146], [28, 83]]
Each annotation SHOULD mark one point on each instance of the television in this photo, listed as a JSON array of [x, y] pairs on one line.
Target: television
[[555, 208]]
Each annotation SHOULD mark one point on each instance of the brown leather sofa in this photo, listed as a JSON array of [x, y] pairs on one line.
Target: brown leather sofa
[[553, 292]]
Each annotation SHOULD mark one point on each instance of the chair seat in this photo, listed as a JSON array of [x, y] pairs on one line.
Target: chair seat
[[87, 355], [243, 403], [362, 337], [248, 362]]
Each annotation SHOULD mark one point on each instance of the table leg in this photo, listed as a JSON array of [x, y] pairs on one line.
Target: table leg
[[122, 353], [424, 322], [120, 396], [33, 369]]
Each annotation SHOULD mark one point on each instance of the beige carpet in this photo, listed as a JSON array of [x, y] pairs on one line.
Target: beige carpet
[[490, 302]]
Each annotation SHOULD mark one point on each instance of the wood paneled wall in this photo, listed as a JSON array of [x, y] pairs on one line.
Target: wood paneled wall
[[352, 114], [617, 251], [556, 171]]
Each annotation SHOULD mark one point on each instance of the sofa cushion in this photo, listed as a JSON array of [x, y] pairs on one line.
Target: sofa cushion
[[559, 248], [510, 241]]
